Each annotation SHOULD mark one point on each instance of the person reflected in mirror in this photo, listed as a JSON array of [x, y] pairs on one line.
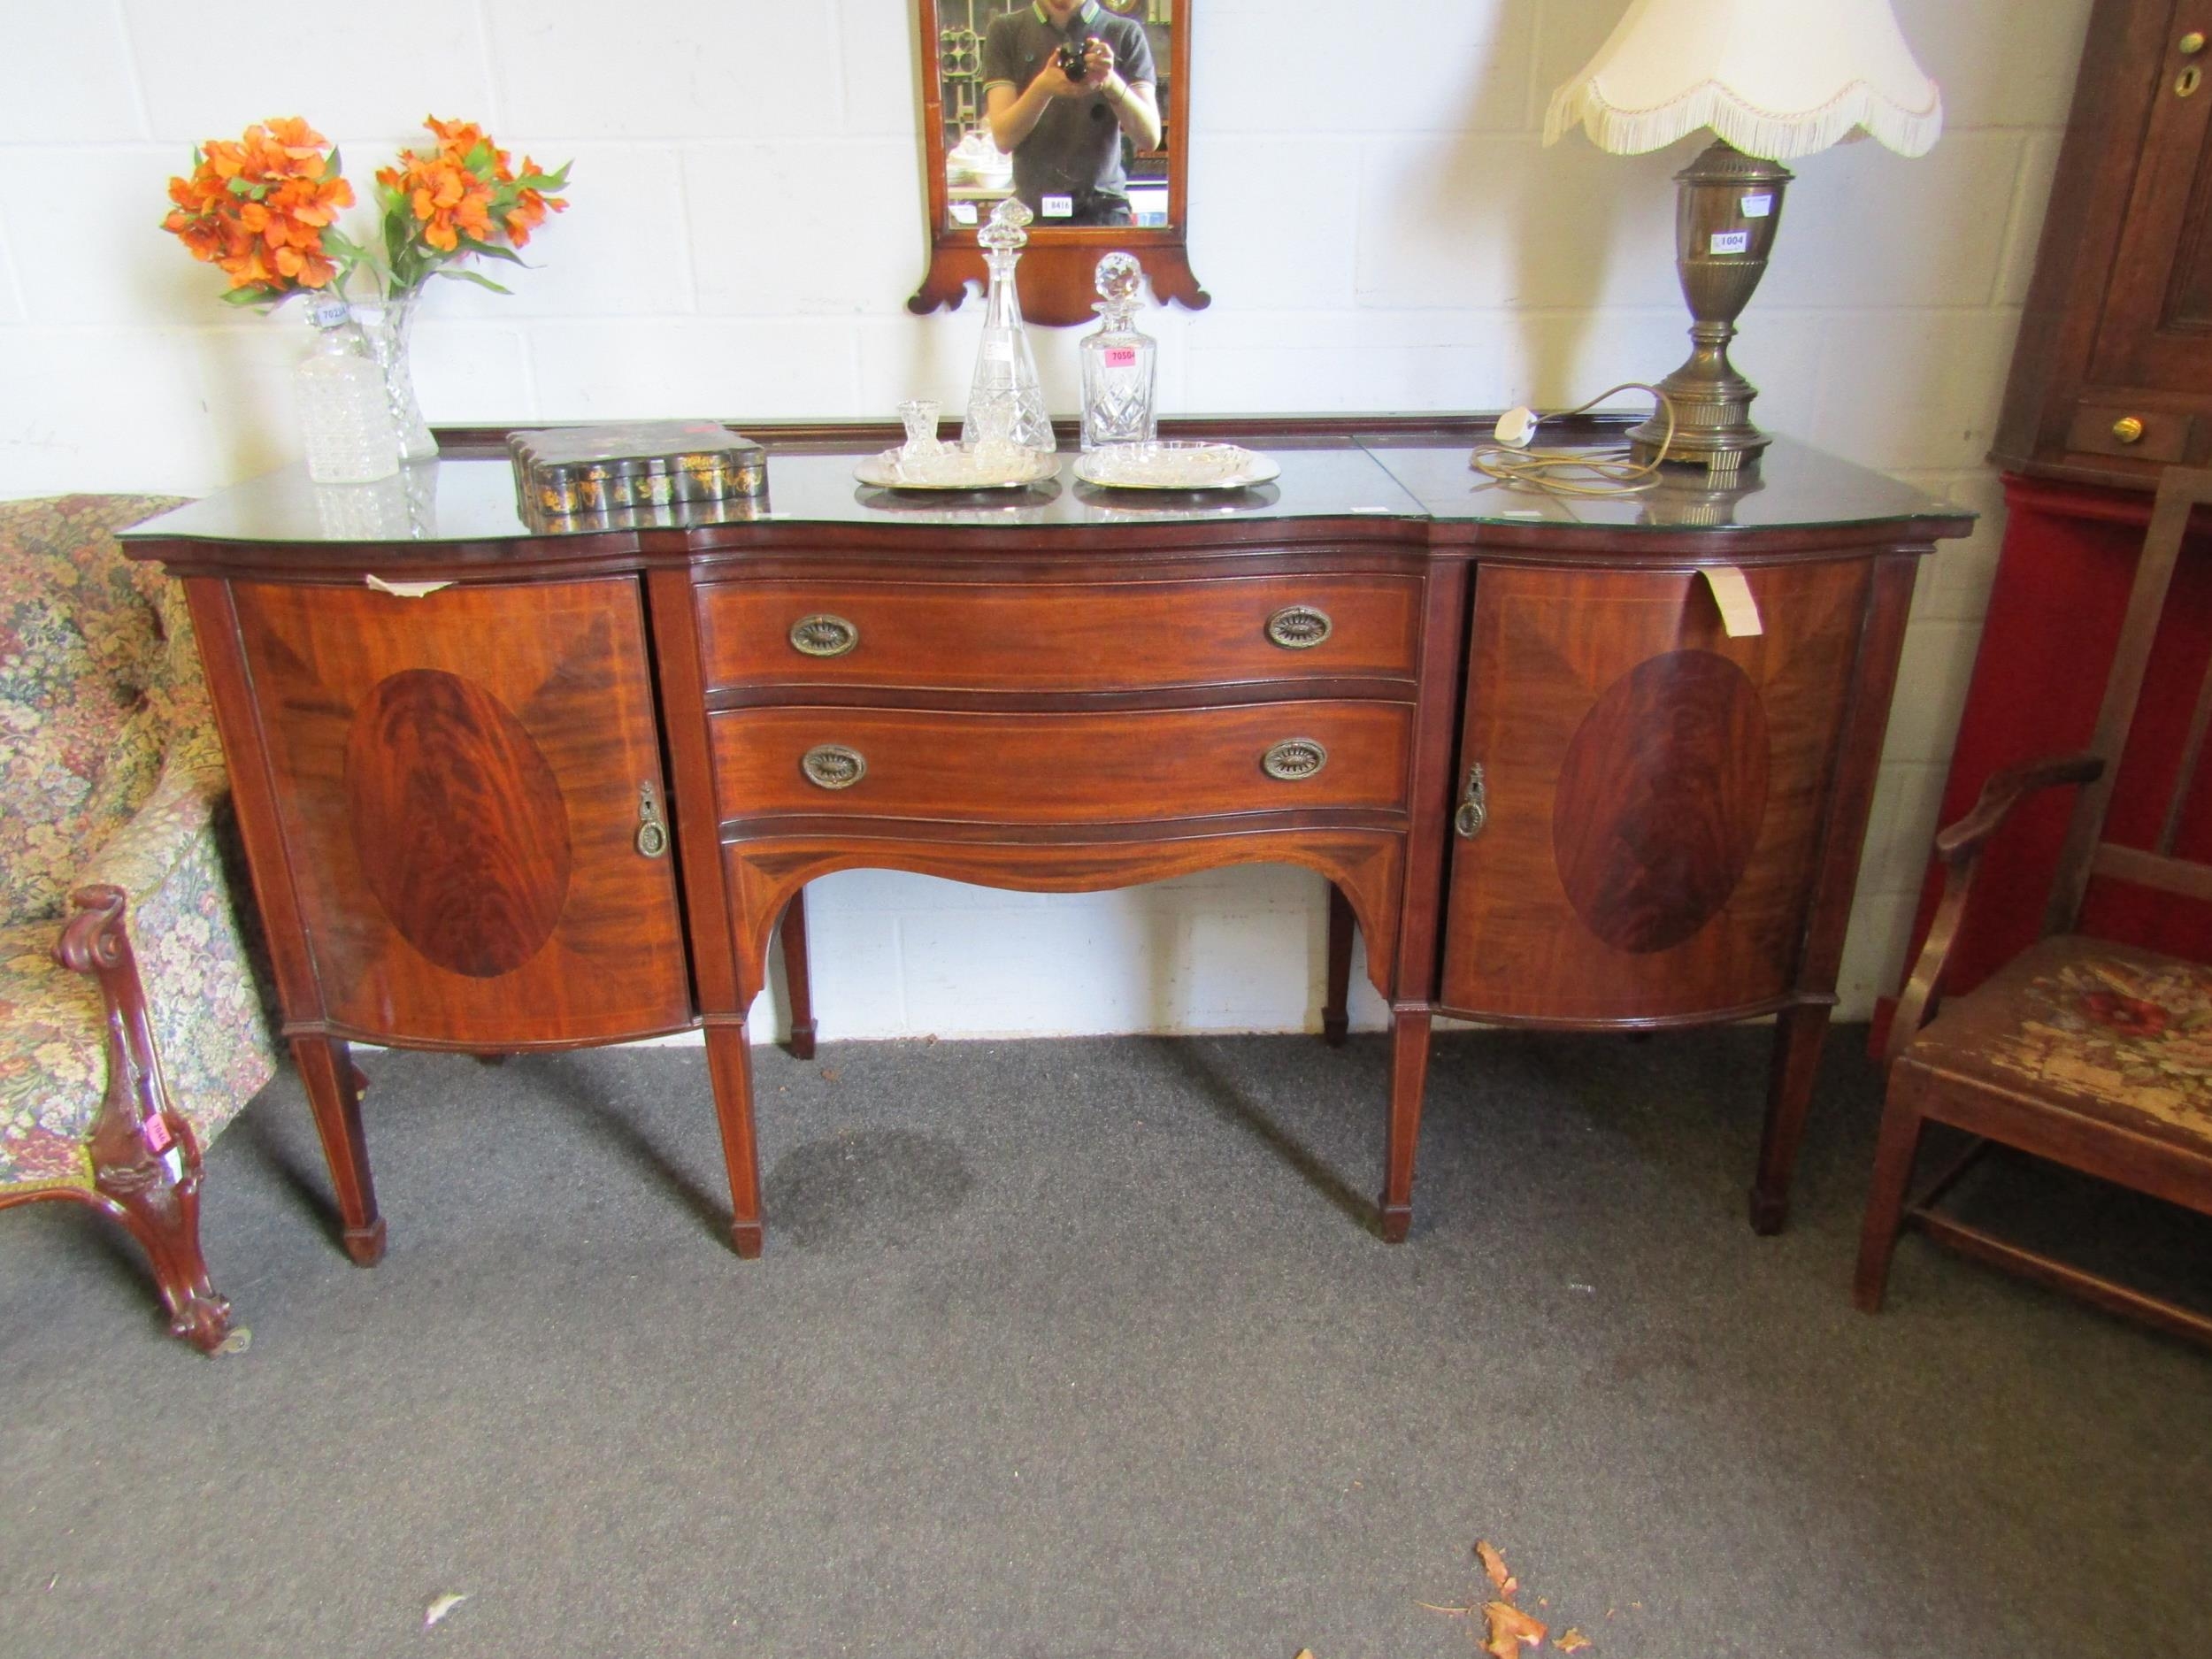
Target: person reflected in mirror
[[1065, 129]]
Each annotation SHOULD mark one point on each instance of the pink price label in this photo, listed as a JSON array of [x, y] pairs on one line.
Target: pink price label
[[158, 1135], [1121, 357]]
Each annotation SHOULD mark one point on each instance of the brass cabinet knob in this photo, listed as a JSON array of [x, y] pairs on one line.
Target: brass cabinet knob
[[1299, 628], [2189, 44], [1293, 758], [822, 635], [2127, 429], [833, 766]]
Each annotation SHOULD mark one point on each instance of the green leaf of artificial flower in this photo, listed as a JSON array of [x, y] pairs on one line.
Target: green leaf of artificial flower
[[482, 281], [469, 244]]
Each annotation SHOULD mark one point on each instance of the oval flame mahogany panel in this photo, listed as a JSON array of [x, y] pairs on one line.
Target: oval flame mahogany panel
[[458, 820], [1661, 799]]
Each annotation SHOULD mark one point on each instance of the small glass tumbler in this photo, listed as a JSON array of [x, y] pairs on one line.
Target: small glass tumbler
[[919, 415]]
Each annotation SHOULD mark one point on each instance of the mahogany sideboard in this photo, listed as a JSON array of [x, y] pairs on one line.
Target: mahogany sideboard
[[503, 790]]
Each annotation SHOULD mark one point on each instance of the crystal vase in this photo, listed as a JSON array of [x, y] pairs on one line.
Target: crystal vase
[[385, 324]]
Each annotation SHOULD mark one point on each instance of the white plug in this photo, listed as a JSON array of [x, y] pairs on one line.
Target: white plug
[[1514, 428]]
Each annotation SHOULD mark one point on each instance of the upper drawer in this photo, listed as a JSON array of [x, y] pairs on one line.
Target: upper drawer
[[1039, 768], [1059, 636]]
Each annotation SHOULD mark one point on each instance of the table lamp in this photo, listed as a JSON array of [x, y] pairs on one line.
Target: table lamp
[[1774, 80]]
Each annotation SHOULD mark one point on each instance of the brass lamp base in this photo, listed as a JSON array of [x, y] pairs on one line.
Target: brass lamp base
[[1726, 216]]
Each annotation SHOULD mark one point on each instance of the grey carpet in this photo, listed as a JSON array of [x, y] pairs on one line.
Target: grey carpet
[[1086, 1347]]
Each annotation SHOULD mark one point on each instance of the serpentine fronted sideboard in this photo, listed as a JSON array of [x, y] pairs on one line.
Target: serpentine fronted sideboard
[[504, 791]]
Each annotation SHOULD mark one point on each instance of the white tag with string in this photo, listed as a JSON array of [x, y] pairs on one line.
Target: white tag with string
[[1738, 610], [403, 590]]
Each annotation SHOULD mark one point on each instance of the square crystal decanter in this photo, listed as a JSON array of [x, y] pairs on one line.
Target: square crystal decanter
[[1120, 364]]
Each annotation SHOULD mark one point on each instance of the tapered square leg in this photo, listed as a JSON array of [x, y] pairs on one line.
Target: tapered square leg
[[1798, 1034], [1409, 1081], [797, 980], [730, 1066], [1335, 1011], [333, 1093]]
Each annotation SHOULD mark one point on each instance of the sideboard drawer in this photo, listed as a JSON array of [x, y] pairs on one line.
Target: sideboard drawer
[[1041, 636], [1062, 768]]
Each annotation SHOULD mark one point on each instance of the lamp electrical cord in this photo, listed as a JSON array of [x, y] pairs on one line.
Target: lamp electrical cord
[[1606, 472]]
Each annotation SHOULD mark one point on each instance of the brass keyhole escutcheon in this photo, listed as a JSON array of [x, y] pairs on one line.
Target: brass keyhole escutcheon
[[1473, 816], [1299, 628], [833, 766], [2186, 83], [1293, 758], [822, 635], [2127, 429], [652, 832]]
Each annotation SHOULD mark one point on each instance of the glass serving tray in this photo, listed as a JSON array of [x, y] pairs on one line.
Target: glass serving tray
[[986, 465], [1174, 464]]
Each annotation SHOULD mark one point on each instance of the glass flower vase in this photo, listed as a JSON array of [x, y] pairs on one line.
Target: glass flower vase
[[385, 324]]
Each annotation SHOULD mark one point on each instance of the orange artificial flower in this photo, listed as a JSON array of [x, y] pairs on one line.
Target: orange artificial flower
[[442, 205], [262, 210]]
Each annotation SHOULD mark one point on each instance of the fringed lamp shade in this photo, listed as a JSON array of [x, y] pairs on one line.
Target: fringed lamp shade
[[1774, 80]]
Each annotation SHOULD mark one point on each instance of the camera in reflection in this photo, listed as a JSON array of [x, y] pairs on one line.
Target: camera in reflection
[[1073, 62]]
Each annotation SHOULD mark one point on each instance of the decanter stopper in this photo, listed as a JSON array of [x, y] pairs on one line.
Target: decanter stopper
[[1008, 231], [1117, 282], [1120, 364]]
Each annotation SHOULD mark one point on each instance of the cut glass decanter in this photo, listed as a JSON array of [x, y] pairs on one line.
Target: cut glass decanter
[[1006, 402], [1121, 365]]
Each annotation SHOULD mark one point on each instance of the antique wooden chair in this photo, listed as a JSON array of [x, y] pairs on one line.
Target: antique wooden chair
[[131, 1026], [2092, 1054]]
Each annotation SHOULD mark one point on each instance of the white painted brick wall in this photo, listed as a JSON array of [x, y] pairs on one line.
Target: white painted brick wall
[[1377, 221]]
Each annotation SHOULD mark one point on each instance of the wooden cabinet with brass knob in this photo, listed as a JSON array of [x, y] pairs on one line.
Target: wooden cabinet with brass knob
[[2112, 378]]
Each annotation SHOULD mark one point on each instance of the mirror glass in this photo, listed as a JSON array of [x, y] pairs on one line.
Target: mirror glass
[[1086, 130]]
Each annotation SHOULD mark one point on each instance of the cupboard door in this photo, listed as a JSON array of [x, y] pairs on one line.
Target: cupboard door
[[1655, 790], [2156, 326], [462, 780]]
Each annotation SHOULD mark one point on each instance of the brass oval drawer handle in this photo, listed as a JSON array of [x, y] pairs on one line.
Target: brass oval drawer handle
[[1295, 758], [823, 635], [833, 766], [1299, 628], [2127, 429]]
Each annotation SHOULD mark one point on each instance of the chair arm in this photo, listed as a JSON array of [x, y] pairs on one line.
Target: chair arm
[[1960, 847], [207, 998], [2004, 791], [96, 942]]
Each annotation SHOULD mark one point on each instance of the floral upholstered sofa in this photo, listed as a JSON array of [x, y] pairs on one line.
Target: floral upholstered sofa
[[131, 1027]]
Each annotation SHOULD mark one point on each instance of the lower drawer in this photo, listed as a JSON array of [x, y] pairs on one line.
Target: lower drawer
[[1062, 768]]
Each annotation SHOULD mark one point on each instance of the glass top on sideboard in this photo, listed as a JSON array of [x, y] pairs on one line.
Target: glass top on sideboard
[[474, 501], [1793, 486]]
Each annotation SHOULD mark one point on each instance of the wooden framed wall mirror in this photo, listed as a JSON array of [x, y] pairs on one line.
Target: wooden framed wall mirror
[[1102, 159]]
